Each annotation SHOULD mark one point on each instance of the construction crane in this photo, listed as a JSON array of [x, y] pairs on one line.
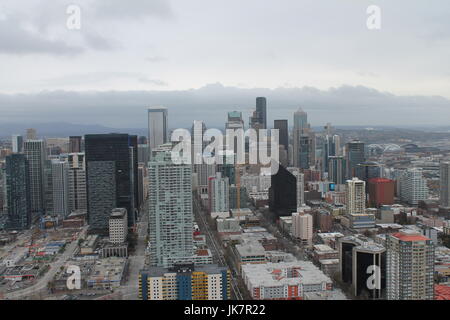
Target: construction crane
[[237, 175]]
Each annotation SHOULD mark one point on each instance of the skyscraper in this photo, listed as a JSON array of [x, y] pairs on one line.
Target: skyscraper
[[369, 270], [286, 193], [35, 152], [283, 133], [158, 130], [170, 211], [354, 155], [218, 193], [31, 134], [356, 196], [17, 143], [258, 119], [261, 109], [304, 142], [331, 148], [369, 170], [60, 187], [18, 194], [75, 144], [111, 166], [410, 266], [336, 169], [77, 182], [301, 120], [234, 120], [413, 187], [444, 195]]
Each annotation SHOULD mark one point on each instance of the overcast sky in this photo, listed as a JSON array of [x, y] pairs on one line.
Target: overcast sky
[[323, 46]]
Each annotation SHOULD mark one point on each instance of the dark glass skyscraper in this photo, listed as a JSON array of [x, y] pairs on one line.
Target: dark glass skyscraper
[[354, 155], [282, 126], [18, 195], [111, 166], [35, 152], [261, 109], [283, 193]]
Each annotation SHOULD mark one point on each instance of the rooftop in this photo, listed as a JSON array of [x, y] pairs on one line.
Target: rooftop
[[442, 292], [409, 235], [284, 273], [250, 249]]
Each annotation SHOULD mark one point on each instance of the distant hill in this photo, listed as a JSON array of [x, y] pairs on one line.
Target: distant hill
[[63, 129]]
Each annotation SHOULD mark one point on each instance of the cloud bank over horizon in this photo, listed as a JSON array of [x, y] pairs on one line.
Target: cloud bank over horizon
[[345, 105]]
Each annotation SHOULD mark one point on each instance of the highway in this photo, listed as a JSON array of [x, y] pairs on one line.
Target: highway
[[215, 246]]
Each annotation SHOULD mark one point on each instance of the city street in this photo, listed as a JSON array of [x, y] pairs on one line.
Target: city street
[[215, 246], [129, 290]]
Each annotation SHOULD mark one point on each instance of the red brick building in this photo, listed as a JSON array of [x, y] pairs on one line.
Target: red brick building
[[381, 192]]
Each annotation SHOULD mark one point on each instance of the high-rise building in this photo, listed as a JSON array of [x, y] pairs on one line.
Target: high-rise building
[[261, 109], [203, 172], [142, 183], [17, 143], [369, 270], [381, 192], [244, 199], [35, 152], [301, 120], [18, 193], [300, 185], [31, 134], [234, 120], [304, 142], [336, 169], [185, 282], [302, 227], [75, 144], [158, 127], [118, 226], [354, 155], [111, 177], [306, 151], [170, 211], [283, 134], [60, 188], [143, 154], [369, 170], [346, 245], [258, 120], [444, 195], [412, 185], [286, 193], [410, 266], [219, 193], [331, 148], [356, 196], [77, 182]]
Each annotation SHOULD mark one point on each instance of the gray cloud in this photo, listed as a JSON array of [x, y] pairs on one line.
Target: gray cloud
[[112, 9], [15, 39], [155, 82], [102, 77]]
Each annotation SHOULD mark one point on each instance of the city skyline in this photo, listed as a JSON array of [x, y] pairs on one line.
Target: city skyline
[[264, 152]]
